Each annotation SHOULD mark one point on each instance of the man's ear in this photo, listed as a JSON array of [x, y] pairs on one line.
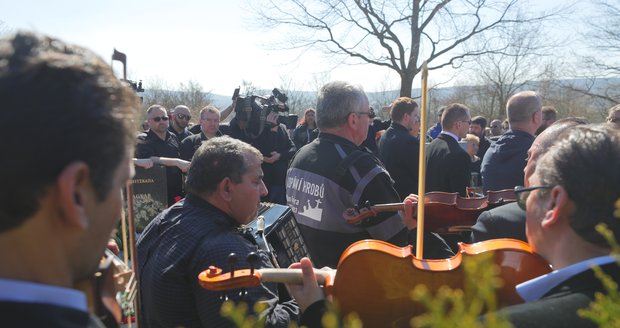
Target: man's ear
[[74, 189], [224, 189], [352, 120], [558, 206]]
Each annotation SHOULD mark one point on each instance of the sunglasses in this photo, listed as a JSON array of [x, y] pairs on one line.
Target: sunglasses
[[523, 193], [183, 116], [157, 118]]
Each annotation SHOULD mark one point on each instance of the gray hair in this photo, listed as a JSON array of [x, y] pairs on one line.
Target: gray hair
[[336, 100]]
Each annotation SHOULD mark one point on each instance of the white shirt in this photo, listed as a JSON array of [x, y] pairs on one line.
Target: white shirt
[[452, 135], [536, 288], [29, 292]]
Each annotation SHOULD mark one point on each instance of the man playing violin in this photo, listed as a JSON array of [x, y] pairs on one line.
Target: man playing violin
[[67, 148], [333, 174], [574, 188], [224, 184]]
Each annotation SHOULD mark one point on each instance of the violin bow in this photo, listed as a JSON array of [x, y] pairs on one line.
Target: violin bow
[[419, 250]]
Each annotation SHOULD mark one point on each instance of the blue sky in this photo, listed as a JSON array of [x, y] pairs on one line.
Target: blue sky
[[205, 41]]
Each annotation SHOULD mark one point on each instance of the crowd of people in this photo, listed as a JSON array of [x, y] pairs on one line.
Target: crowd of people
[[56, 216]]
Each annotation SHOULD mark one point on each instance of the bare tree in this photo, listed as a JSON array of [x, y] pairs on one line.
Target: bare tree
[[601, 66], [499, 75], [4, 28], [395, 34], [188, 93]]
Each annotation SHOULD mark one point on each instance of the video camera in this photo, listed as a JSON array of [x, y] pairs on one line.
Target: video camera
[[254, 110]]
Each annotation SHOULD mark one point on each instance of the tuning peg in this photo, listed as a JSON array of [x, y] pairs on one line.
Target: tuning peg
[[224, 297], [367, 204], [232, 260], [253, 259]]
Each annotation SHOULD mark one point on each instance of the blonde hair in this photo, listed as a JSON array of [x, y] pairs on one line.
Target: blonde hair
[[472, 137]]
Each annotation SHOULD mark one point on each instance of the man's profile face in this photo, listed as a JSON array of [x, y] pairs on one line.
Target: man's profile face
[[102, 218], [246, 194], [158, 115], [210, 123], [363, 116], [414, 126], [464, 125], [476, 130], [534, 213]]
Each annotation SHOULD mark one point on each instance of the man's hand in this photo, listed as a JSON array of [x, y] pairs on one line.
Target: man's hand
[[183, 165], [113, 246], [274, 157], [310, 291], [410, 212], [272, 117]]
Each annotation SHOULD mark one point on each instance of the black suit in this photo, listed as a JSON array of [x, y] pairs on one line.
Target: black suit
[[399, 151], [447, 166], [506, 221], [558, 308]]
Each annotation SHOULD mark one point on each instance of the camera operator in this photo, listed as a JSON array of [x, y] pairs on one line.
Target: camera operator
[[268, 136]]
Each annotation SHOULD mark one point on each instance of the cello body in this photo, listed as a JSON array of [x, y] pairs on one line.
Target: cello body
[[374, 279]]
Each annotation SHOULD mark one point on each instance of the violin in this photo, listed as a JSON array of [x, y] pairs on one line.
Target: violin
[[445, 212], [110, 291], [374, 278]]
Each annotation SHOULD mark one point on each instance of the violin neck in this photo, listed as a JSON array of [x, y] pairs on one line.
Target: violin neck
[[293, 276], [391, 207]]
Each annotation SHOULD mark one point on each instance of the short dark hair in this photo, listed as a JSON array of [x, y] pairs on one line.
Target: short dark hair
[[402, 106], [452, 114], [61, 104], [584, 162], [549, 113], [216, 159], [480, 120]]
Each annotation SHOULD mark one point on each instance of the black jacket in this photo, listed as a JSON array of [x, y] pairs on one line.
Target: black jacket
[[448, 166]]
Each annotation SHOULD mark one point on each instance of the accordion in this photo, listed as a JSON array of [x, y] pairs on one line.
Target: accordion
[[279, 233]]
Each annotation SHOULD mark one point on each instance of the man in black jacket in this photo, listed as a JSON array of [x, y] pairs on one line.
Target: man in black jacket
[[399, 149], [447, 164]]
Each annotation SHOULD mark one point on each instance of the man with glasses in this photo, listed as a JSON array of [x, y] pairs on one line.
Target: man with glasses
[[508, 221], [399, 149], [162, 147], [448, 166], [180, 120], [333, 174], [502, 165], [574, 188]]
